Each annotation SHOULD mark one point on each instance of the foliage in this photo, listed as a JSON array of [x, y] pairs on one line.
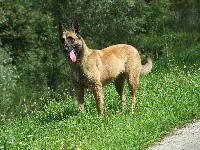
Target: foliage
[[151, 26], [8, 80], [114, 21], [30, 39]]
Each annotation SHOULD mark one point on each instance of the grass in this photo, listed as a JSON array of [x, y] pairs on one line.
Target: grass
[[166, 99]]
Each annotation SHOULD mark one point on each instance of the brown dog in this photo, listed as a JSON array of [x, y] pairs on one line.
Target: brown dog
[[94, 68]]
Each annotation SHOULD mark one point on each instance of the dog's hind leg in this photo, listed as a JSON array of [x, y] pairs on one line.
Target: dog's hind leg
[[119, 85], [132, 82], [79, 90]]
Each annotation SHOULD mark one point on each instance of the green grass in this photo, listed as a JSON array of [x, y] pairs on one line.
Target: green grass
[[166, 99]]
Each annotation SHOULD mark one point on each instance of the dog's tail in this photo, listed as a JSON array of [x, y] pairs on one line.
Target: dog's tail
[[145, 69]]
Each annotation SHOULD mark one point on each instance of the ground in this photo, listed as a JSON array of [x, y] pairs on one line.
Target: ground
[[185, 138]]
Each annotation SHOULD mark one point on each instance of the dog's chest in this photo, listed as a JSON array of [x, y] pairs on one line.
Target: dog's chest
[[78, 77]]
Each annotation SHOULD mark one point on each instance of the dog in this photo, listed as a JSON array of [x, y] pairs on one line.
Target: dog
[[95, 68]]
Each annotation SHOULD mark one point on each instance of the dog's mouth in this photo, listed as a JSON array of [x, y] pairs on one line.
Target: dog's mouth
[[70, 52], [72, 56]]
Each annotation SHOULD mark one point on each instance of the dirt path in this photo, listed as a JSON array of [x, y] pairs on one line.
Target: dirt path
[[185, 138]]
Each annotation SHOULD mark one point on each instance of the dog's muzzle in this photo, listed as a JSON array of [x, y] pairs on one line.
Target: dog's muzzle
[[65, 48]]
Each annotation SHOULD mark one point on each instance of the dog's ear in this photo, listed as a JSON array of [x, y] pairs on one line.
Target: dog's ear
[[75, 26], [61, 28]]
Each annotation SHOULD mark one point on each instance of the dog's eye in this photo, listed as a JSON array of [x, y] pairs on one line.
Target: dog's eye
[[62, 40], [71, 39]]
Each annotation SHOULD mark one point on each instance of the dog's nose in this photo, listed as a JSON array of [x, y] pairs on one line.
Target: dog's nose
[[65, 48]]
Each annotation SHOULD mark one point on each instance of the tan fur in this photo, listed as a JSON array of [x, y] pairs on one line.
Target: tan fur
[[145, 69], [95, 68]]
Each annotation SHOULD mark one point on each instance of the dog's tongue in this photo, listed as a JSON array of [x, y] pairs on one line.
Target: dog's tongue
[[72, 56]]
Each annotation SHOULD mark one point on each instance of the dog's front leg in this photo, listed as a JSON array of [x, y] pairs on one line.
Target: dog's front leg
[[79, 91], [98, 95]]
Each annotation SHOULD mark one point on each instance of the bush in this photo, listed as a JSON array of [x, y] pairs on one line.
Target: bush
[[33, 46], [8, 80]]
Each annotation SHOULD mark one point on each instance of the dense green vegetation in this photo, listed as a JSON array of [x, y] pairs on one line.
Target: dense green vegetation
[[37, 105]]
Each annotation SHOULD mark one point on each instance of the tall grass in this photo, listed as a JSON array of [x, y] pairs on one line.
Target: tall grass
[[166, 98]]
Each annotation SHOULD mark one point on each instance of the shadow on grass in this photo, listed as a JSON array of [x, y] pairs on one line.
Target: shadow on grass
[[46, 118], [57, 112]]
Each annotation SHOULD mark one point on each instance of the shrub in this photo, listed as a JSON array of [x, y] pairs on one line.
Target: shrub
[[8, 80], [33, 46]]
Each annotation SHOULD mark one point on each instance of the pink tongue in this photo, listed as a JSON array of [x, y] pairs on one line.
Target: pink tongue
[[72, 56]]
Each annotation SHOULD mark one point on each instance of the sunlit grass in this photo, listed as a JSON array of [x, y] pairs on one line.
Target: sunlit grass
[[165, 99]]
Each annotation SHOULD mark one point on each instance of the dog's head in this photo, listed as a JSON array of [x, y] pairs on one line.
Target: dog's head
[[70, 40]]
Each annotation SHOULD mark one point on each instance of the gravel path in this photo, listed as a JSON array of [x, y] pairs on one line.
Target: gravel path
[[185, 138]]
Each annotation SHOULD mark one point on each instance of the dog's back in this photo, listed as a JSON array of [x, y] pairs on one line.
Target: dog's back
[[109, 63]]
